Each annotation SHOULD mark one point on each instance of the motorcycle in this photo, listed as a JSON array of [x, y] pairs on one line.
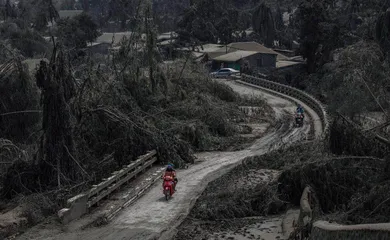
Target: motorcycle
[[168, 187], [299, 119]]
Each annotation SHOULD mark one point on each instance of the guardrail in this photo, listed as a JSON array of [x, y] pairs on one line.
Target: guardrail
[[322, 229], [80, 204], [295, 93]]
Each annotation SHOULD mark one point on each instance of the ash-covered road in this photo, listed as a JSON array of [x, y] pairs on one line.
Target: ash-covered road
[[152, 217]]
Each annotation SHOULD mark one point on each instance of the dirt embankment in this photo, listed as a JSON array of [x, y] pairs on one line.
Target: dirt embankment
[[250, 190]]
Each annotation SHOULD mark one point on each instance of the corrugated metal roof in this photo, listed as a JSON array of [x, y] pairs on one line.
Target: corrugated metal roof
[[118, 36], [234, 56], [209, 47], [197, 54], [283, 64], [167, 35], [254, 46], [247, 46]]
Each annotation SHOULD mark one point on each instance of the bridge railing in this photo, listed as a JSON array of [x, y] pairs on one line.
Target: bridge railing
[[80, 204]]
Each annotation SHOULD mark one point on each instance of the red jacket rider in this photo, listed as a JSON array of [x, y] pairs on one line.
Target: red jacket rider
[[171, 172]]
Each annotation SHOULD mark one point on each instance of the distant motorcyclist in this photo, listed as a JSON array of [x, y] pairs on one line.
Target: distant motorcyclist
[[300, 109], [170, 171]]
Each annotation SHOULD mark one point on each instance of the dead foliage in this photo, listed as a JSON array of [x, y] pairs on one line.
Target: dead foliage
[[57, 149], [18, 95], [288, 155], [350, 189], [106, 114], [199, 229], [220, 203], [37, 207], [346, 139], [238, 194], [334, 180]]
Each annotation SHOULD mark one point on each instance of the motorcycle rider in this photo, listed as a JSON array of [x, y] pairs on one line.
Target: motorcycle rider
[[300, 111], [170, 171]]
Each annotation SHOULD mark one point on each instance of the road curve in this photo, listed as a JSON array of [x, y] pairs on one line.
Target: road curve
[[152, 217]]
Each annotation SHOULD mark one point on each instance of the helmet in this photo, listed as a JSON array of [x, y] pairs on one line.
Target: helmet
[[169, 167]]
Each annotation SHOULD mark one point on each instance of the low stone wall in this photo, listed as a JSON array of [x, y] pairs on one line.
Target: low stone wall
[[332, 231]]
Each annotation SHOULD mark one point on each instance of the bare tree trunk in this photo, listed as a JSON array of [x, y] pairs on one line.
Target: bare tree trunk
[[57, 147], [150, 46]]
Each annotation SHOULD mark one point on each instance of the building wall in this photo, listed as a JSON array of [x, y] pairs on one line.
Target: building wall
[[260, 60], [256, 61], [269, 60]]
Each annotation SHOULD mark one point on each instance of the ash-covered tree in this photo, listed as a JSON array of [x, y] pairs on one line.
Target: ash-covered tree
[[264, 25], [77, 32], [8, 10], [349, 81], [244, 20], [279, 22], [56, 155], [123, 11], [37, 13], [382, 32], [99, 11], [19, 101], [192, 26], [28, 41], [208, 21], [165, 13], [224, 30], [319, 34], [68, 4]]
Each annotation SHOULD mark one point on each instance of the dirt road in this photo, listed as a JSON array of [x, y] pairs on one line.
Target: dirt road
[[152, 217]]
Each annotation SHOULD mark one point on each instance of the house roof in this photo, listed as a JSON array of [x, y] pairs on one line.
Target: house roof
[[97, 44], [234, 56], [245, 46], [108, 37], [254, 46], [210, 47], [167, 42], [69, 13], [197, 54], [206, 48], [283, 64], [167, 35]]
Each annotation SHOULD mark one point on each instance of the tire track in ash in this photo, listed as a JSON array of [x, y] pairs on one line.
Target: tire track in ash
[[151, 215]]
